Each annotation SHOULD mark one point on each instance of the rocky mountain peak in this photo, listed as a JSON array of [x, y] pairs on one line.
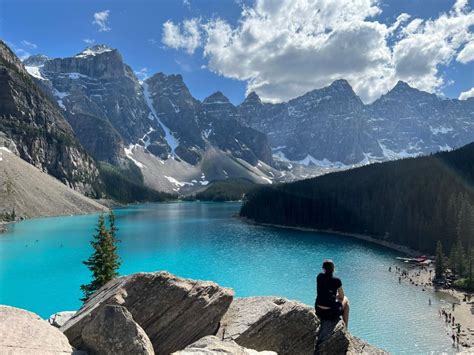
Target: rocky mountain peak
[[251, 100], [341, 87], [36, 60], [216, 98], [341, 84], [100, 62], [94, 50], [170, 85]]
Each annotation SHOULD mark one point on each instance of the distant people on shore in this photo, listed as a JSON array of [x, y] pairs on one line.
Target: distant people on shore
[[331, 302]]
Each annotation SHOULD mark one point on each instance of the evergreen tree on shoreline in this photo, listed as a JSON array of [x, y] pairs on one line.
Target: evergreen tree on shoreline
[[104, 261], [439, 262]]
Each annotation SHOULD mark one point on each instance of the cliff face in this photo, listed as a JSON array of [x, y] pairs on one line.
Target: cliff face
[[102, 100], [35, 124]]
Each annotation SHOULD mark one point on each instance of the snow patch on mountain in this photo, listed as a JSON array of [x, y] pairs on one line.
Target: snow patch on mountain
[[171, 140], [60, 95], [129, 154], [35, 71], [392, 155], [325, 163], [93, 51], [440, 130]]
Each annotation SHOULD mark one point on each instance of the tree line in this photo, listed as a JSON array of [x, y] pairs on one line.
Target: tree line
[[414, 202]]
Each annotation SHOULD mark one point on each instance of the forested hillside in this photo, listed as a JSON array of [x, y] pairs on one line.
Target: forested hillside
[[414, 202]]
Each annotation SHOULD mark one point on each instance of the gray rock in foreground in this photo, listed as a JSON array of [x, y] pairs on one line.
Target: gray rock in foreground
[[271, 323], [333, 338], [60, 318], [113, 332], [212, 345], [174, 312], [23, 332]]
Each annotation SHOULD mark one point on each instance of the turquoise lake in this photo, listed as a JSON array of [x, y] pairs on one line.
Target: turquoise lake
[[41, 269]]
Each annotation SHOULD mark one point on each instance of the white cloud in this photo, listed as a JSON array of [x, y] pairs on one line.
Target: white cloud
[[285, 48], [89, 41], [142, 74], [187, 36], [29, 44], [101, 19], [20, 52], [467, 53], [466, 94], [429, 44]]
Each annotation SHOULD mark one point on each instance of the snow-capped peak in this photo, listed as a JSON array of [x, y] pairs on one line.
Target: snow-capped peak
[[36, 60], [95, 50]]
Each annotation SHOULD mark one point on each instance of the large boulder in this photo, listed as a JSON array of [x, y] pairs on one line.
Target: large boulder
[[174, 312], [212, 345], [60, 318], [271, 323], [333, 338], [23, 332], [113, 331]]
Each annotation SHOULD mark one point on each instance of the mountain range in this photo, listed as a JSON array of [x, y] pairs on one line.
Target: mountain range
[[180, 143], [333, 127]]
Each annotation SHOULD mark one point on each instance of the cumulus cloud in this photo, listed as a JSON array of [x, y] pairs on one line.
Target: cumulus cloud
[[29, 44], [101, 19], [186, 36], [285, 48], [466, 94], [467, 53]]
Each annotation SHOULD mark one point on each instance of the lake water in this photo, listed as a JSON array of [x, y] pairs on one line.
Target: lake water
[[41, 269]]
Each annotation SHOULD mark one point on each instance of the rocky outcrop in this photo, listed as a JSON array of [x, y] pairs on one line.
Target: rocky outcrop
[[35, 124], [149, 313], [23, 332], [113, 331], [270, 323], [333, 338], [212, 345], [174, 312], [60, 318]]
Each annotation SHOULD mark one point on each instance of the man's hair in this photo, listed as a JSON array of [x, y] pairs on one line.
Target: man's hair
[[328, 266]]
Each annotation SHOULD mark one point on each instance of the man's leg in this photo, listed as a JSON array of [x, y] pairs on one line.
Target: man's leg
[[345, 315]]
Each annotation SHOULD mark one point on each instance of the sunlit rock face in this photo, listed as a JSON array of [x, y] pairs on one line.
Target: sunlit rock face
[[35, 124]]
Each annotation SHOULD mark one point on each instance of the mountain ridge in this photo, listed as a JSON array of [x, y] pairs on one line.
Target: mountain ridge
[[115, 116]]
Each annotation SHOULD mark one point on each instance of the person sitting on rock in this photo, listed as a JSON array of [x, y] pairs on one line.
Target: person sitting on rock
[[331, 303]]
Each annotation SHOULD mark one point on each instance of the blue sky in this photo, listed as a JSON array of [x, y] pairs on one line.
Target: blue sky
[[59, 28]]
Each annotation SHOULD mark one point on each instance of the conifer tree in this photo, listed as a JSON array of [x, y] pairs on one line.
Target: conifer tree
[[104, 261], [439, 262], [460, 257], [470, 270], [452, 260]]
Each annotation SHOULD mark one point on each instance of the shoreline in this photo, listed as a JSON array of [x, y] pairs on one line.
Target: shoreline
[[417, 276], [455, 305], [390, 245], [4, 224]]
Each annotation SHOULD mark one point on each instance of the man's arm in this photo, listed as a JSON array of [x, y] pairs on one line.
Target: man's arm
[[340, 294]]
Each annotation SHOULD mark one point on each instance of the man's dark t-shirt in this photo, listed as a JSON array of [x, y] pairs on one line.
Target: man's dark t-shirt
[[327, 286]]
